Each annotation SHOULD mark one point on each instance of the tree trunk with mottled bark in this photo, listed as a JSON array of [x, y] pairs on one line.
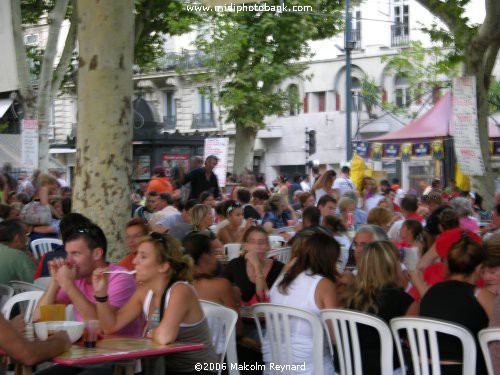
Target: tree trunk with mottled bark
[[243, 149], [104, 138]]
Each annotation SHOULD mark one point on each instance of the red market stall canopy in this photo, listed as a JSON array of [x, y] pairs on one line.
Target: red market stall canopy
[[434, 124]]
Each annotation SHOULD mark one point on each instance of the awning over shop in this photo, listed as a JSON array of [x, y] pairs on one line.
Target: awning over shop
[[10, 151], [435, 123], [4, 106]]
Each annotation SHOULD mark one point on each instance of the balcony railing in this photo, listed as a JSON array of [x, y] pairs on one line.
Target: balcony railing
[[172, 62], [400, 35], [203, 120], [169, 122]]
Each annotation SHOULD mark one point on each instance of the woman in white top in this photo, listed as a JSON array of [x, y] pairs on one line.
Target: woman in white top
[[169, 303], [324, 185], [309, 284]]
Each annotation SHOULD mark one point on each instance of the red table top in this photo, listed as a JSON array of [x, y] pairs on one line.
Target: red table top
[[120, 348]]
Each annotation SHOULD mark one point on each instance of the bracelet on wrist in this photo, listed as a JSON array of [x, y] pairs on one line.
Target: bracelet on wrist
[[101, 299], [262, 276]]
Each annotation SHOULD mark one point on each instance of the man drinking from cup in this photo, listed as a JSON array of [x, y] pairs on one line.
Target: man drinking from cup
[[72, 277]]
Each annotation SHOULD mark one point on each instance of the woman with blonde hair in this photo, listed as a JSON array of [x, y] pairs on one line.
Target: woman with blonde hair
[[278, 213], [165, 298], [377, 290], [380, 216], [324, 185], [201, 218]]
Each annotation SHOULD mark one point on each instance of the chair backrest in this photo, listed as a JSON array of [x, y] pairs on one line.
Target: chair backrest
[[276, 241], [43, 282], [232, 250], [70, 312], [222, 323], [43, 245], [421, 335], [31, 299], [486, 336], [283, 255], [22, 286], [6, 292], [278, 319], [345, 329]]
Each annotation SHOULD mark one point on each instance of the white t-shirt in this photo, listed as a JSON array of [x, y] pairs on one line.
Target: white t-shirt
[[372, 202], [343, 184]]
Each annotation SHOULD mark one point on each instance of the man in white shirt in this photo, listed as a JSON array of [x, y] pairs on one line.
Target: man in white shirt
[[343, 183], [165, 208]]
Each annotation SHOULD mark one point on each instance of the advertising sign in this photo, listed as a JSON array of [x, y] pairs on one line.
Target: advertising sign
[[219, 148], [465, 127], [29, 144]]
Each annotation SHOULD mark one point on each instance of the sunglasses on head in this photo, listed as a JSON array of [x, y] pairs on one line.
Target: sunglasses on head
[[233, 207]]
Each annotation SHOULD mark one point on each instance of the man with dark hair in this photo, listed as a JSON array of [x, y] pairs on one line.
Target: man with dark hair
[[343, 183], [385, 186], [179, 225], [295, 186], [15, 264], [243, 196], [327, 205], [400, 194], [259, 199], [165, 207], [68, 223], [204, 179], [311, 217], [145, 212], [72, 278], [409, 206]]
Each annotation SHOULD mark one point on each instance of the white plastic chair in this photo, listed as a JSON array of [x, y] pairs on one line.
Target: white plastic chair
[[486, 336], [30, 298], [43, 282], [23, 286], [222, 323], [282, 255], [43, 245], [70, 312], [274, 240], [345, 328], [232, 250], [421, 335], [278, 319], [6, 292]]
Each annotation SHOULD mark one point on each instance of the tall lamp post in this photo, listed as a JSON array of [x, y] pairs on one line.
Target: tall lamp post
[[349, 45]]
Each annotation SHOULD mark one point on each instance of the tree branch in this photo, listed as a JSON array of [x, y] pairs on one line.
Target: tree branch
[[444, 13], [23, 73], [489, 31], [141, 19], [67, 52], [55, 19], [490, 59]]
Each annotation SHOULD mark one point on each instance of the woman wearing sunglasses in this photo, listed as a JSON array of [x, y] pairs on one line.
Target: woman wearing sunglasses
[[167, 301]]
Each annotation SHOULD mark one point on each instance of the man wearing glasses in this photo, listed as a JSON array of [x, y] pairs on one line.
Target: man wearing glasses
[[72, 277]]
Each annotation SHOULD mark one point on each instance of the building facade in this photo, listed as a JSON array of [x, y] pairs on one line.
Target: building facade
[[173, 113]]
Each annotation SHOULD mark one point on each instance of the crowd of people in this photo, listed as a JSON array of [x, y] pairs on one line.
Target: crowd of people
[[372, 248]]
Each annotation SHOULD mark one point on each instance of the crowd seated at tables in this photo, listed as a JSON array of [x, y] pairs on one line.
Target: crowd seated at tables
[[429, 257]]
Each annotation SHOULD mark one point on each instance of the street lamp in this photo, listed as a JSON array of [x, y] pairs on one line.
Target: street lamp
[[349, 45]]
